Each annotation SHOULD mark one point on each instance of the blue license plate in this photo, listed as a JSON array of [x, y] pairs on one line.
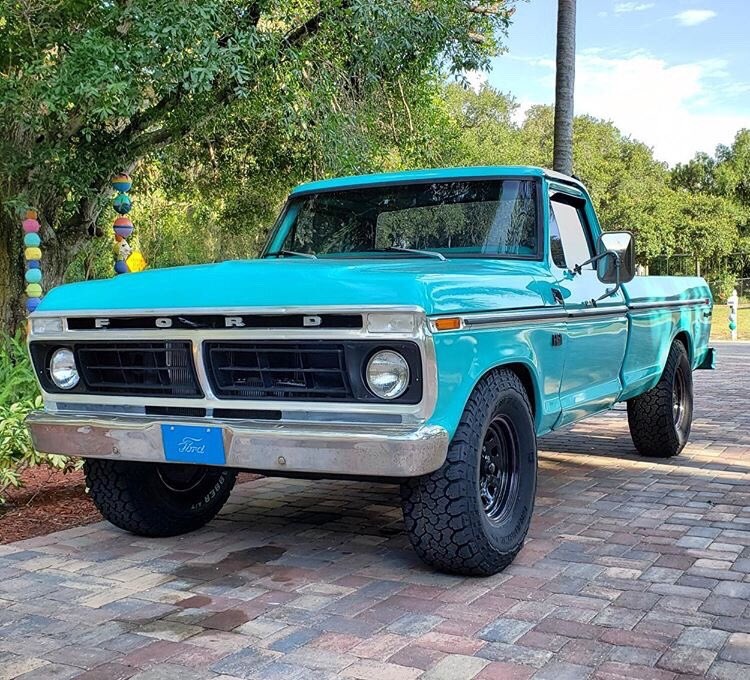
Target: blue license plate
[[193, 444]]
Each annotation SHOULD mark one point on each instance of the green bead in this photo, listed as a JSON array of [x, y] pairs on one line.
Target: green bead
[[732, 326]]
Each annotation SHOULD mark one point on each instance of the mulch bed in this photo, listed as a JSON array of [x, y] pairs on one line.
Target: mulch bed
[[49, 501]]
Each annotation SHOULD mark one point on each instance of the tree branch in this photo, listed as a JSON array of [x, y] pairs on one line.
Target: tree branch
[[224, 95]]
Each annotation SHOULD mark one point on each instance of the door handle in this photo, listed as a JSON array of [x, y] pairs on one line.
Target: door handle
[[557, 294]]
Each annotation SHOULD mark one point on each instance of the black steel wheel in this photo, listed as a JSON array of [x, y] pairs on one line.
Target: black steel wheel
[[499, 469]]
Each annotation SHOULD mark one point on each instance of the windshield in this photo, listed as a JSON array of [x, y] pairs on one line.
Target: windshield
[[467, 218]]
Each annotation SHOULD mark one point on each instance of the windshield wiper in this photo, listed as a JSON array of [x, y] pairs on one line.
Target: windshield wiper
[[425, 253], [293, 253]]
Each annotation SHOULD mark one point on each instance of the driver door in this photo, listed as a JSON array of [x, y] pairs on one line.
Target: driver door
[[596, 333]]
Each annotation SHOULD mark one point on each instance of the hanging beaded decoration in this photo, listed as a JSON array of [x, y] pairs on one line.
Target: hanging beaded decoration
[[123, 227], [33, 256]]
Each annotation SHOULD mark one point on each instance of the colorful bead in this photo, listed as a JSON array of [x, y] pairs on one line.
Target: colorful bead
[[123, 227], [121, 267], [122, 182], [32, 240], [33, 276], [34, 290], [122, 204], [32, 254]]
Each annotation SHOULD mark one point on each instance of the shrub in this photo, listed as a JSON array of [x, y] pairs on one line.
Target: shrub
[[722, 287], [19, 396], [17, 382]]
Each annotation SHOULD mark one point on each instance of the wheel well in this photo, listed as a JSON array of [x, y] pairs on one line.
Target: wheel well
[[527, 380], [684, 338]]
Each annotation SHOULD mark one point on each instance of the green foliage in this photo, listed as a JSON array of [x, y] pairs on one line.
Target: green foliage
[[223, 106], [722, 287], [723, 183], [17, 381], [19, 396]]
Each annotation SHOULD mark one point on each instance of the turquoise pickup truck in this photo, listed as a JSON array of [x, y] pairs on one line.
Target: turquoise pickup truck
[[422, 327]]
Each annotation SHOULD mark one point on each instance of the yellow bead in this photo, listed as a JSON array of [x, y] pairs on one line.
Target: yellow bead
[[33, 253]]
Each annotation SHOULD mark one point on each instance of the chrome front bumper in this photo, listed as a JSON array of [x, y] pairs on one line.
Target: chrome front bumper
[[357, 450]]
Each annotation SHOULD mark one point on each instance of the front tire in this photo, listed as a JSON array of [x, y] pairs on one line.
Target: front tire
[[660, 419], [471, 516], [157, 500]]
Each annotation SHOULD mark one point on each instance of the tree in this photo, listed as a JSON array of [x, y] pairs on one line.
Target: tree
[[565, 85], [90, 88]]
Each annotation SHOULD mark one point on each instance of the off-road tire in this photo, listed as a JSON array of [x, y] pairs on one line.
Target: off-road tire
[[652, 417], [135, 496], [444, 513]]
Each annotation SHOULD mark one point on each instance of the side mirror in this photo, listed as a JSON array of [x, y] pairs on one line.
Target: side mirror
[[618, 264]]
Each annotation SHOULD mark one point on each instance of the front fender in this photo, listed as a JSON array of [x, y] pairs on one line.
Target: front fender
[[465, 356]]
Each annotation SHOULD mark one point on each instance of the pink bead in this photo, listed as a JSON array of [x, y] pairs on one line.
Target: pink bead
[[30, 226]]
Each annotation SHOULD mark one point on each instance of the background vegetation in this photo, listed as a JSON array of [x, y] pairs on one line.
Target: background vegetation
[[694, 218]]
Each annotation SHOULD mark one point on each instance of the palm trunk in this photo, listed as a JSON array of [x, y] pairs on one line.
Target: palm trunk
[[564, 86]]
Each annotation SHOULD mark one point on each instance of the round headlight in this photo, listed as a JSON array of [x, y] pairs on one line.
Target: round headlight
[[62, 369], [387, 374]]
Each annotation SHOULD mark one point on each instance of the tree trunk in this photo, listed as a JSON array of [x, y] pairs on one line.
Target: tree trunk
[[11, 273], [56, 257], [564, 86]]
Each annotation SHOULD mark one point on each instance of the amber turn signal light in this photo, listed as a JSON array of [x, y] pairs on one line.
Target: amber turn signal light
[[450, 324]]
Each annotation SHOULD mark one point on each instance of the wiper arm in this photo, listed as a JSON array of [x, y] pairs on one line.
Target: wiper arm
[[293, 253], [425, 253]]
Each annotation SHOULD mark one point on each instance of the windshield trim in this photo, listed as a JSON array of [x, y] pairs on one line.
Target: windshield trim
[[280, 234]]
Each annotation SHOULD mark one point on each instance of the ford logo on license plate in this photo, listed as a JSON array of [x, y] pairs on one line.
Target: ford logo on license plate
[[193, 444]]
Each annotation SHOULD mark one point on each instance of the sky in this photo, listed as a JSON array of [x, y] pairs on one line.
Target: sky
[[674, 74]]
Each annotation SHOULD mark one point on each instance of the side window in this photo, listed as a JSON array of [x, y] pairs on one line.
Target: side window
[[568, 221]]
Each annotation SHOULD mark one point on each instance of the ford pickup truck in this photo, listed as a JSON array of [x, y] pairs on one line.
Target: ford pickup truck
[[421, 327]]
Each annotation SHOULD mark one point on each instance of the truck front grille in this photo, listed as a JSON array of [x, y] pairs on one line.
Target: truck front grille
[[314, 371], [138, 368]]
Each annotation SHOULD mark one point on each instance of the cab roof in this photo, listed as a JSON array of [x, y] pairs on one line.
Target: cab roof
[[434, 175]]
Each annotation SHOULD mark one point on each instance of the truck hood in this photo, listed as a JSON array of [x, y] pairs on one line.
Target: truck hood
[[438, 287]]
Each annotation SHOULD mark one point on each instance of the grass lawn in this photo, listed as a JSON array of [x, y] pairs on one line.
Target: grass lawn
[[720, 323]]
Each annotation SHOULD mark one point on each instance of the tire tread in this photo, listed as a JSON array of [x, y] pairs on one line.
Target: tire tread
[[443, 530], [110, 488], [650, 417]]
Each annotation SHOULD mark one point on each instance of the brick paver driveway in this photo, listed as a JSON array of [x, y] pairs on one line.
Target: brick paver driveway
[[634, 569]]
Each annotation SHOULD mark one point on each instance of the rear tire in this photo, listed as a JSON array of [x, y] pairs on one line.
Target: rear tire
[[660, 419], [153, 499], [471, 516]]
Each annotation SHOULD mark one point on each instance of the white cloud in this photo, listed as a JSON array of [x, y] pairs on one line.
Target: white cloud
[[673, 108], [627, 7], [677, 109], [693, 17]]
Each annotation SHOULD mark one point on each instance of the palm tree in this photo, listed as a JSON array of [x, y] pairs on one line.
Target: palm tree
[[564, 84]]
